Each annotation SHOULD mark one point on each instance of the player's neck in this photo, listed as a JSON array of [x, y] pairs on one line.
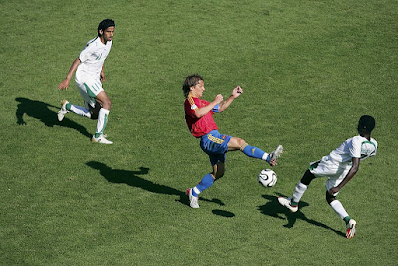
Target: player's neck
[[365, 135], [193, 94], [103, 40]]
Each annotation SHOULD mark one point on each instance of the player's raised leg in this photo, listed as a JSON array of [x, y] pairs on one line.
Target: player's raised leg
[[67, 107], [292, 202], [254, 152]]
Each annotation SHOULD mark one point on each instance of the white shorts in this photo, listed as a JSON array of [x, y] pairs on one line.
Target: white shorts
[[89, 89], [333, 171]]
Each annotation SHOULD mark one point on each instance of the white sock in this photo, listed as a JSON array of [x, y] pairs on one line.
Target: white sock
[[265, 156], [102, 121], [299, 191], [339, 209], [80, 110]]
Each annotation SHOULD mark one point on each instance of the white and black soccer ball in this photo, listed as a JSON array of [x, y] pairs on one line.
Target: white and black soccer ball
[[267, 178]]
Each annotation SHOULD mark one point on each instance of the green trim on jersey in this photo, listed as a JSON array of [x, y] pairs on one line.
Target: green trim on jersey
[[314, 165], [367, 153]]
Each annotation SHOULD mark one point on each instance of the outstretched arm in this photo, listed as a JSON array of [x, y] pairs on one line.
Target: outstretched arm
[[65, 83], [235, 94], [348, 177]]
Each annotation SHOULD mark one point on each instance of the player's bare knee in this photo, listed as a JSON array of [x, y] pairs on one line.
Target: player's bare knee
[[107, 105], [242, 144], [329, 198]]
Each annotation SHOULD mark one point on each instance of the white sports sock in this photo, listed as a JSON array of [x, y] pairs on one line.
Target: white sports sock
[[80, 110], [338, 208], [299, 191], [102, 120]]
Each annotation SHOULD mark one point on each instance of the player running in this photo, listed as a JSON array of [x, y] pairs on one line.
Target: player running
[[339, 167], [199, 118], [89, 67]]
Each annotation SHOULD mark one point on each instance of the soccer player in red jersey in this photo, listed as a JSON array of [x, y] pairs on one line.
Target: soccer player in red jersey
[[199, 118]]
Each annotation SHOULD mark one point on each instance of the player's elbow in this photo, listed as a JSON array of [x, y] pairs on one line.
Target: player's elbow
[[354, 170], [197, 114]]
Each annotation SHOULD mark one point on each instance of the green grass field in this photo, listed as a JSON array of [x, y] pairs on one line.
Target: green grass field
[[309, 70]]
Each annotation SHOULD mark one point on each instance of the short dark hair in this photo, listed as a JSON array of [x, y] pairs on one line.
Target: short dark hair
[[106, 23], [189, 82], [367, 122]]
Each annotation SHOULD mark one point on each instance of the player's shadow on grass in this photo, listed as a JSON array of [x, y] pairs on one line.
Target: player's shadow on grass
[[274, 209], [41, 111], [132, 178]]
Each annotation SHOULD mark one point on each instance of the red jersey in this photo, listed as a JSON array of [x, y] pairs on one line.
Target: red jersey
[[198, 126]]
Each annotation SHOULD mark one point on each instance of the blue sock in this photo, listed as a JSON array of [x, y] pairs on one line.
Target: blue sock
[[252, 151], [206, 182]]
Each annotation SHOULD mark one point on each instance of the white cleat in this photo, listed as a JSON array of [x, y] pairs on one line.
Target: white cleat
[[275, 154], [193, 201], [63, 111], [351, 228], [286, 202], [101, 139]]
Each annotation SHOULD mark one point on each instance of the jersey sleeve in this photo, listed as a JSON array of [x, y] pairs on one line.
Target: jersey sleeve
[[355, 147], [87, 50], [191, 105]]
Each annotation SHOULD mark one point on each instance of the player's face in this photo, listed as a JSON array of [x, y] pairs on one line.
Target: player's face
[[198, 89], [107, 34]]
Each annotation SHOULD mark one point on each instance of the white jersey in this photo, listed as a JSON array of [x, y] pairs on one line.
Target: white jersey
[[355, 147], [92, 59]]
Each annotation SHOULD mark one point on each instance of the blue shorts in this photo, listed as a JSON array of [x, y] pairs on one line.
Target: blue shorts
[[215, 145]]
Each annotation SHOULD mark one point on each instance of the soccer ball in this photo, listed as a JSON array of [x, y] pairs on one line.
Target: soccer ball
[[267, 178]]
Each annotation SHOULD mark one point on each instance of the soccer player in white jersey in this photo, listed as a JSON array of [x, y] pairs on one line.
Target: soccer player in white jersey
[[89, 67], [339, 167]]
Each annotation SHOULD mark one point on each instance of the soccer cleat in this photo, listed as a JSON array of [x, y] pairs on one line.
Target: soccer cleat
[[101, 139], [193, 201], [275, 154], [63, 111], [286, 202], [351, 228]]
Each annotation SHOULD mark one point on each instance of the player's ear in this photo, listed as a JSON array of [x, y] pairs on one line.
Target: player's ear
[[101, 32]]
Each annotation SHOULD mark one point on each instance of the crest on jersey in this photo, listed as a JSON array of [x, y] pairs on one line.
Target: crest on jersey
[[368, 149]]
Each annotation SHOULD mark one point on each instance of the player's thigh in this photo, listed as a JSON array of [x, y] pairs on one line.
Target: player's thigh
[[90, 89], [336, 179]]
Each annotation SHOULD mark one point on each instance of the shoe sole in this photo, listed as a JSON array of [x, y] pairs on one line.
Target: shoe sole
[[351, 231], [61, 113], [95, 141]]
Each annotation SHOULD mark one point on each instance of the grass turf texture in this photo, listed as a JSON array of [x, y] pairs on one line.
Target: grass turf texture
[[309, 70]]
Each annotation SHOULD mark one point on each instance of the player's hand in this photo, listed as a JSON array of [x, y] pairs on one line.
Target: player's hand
[[102, 77], [219, 98], [64, 85], [237, 92]]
